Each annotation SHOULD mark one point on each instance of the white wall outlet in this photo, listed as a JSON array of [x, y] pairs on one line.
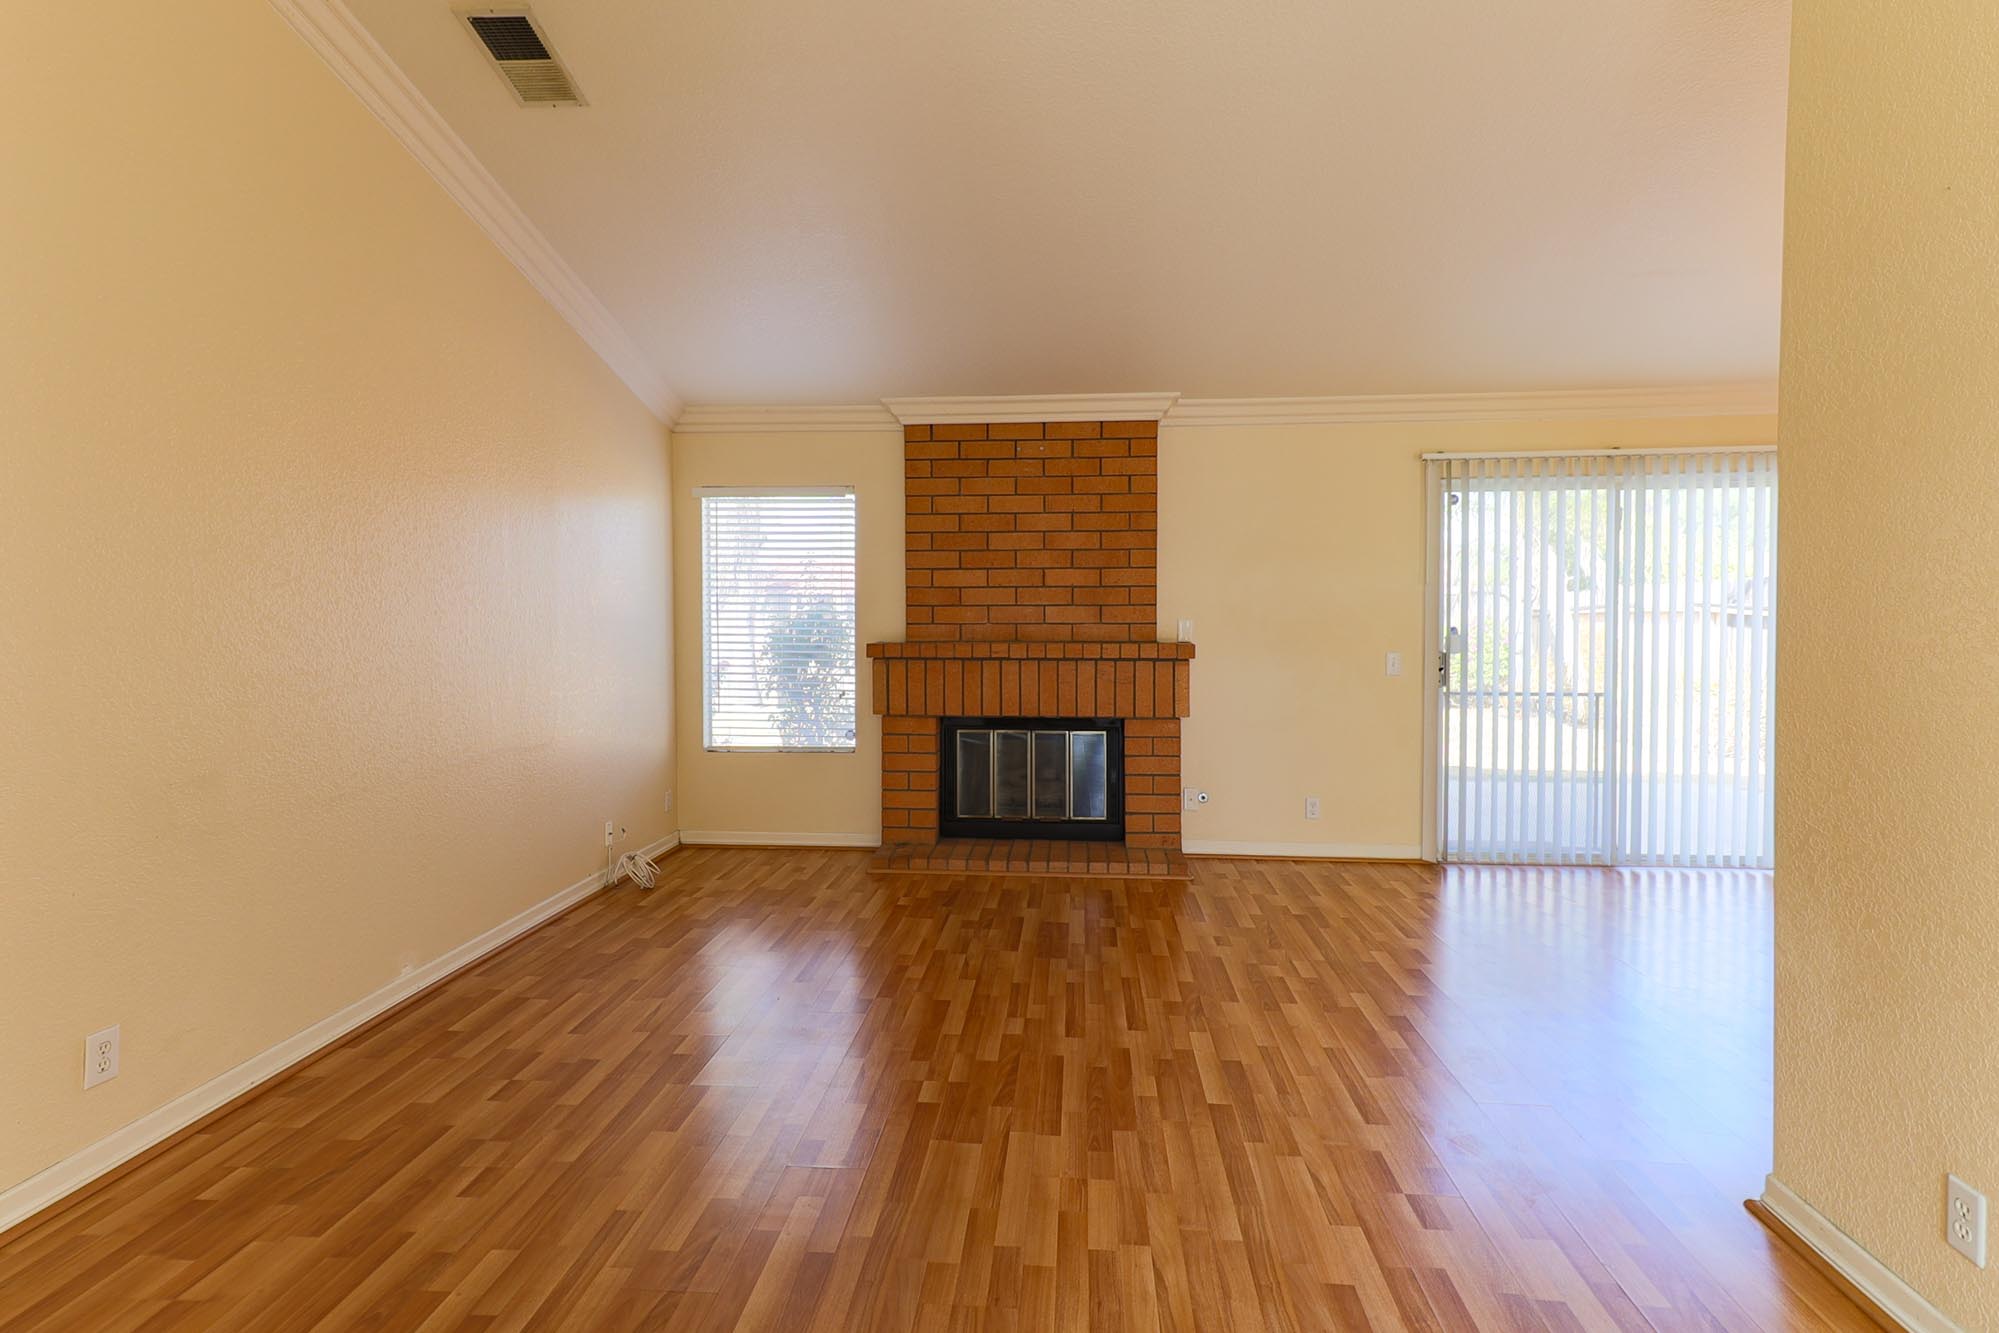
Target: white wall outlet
[[667, 804], [610, 833], [1186, 631], [100, 1057], [1392, 665], [1964, 1219], [1311, 807]]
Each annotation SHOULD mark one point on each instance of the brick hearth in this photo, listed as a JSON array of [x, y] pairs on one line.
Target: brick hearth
[[1031, 560], [1029, 856]]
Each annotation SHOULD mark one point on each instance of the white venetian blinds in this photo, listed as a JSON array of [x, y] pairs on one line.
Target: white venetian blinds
[[1607, 625], [777, 619]]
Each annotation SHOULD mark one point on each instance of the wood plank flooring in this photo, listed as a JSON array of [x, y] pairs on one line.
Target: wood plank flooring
[[780, 1093]]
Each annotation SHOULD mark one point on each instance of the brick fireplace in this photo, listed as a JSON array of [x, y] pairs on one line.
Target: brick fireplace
[[1032, 574]]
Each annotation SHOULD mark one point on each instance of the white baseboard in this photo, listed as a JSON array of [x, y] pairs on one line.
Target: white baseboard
[[22, 1201], [1897, 1299], [726, 838], [1306, 851]]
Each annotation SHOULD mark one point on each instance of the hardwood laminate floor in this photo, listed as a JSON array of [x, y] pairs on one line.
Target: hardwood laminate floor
[[780, 1093]]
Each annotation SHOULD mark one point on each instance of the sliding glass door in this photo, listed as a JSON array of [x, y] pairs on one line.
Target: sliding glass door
[[1606, 625]]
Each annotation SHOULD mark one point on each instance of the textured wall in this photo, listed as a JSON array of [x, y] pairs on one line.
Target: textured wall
[[1888, 741], [825, 795], [1296, 550], [1298, 553], [333, 566]]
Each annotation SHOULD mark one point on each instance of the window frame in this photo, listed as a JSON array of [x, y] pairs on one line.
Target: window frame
[[701, 495]]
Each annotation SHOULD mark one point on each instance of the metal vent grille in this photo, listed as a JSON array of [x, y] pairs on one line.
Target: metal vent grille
[[520, 51], [509, 36]]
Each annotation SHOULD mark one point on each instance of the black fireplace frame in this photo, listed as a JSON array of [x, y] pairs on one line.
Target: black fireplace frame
[[1108, 829]]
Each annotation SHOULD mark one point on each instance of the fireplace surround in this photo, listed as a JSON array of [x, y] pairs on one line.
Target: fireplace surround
[[1143, 686], [1031, 553]]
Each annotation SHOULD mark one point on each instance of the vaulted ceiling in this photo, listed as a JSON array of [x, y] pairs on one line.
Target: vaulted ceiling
[[788, 202]]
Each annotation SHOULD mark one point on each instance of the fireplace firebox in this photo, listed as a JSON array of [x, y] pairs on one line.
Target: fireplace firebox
[[1013, 777]]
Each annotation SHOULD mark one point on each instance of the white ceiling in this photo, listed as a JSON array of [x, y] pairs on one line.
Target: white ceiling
[[787, 202]]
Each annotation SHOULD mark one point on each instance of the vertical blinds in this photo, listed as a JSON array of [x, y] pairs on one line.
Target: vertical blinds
[[777, 609], [1607, 625]]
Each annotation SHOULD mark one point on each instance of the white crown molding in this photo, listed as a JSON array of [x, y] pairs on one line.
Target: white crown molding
[[1897, 1299], [72, 1173], [720, 420], [1697, 400], [1031, 407], [359, 61]]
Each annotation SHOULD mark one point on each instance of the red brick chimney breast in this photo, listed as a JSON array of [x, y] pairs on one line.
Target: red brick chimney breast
[[1032, 566]]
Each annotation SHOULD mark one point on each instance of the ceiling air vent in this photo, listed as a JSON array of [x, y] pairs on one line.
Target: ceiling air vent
[[523, 55]]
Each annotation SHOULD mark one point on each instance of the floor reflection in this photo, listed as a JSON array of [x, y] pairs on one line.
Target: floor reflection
[[778, 1092], [1637, 1003]]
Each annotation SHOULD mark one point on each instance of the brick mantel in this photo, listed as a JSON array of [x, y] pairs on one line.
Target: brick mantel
[[1060, 680], [1031, 558], [986, 648]]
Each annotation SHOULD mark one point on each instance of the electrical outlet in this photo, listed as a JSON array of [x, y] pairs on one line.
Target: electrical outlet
[[1392, 665], [100, 1057], [610, 833], [1964, 1219], [1311, 807], [667, 804], [1185, 631]]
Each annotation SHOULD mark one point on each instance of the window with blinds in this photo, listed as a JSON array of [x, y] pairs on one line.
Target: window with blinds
[[777, 618]]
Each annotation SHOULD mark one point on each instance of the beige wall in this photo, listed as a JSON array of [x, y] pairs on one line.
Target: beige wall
[[826, 797], [1298, 553], [333, 566], [1888, 740], [1296, 550]]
